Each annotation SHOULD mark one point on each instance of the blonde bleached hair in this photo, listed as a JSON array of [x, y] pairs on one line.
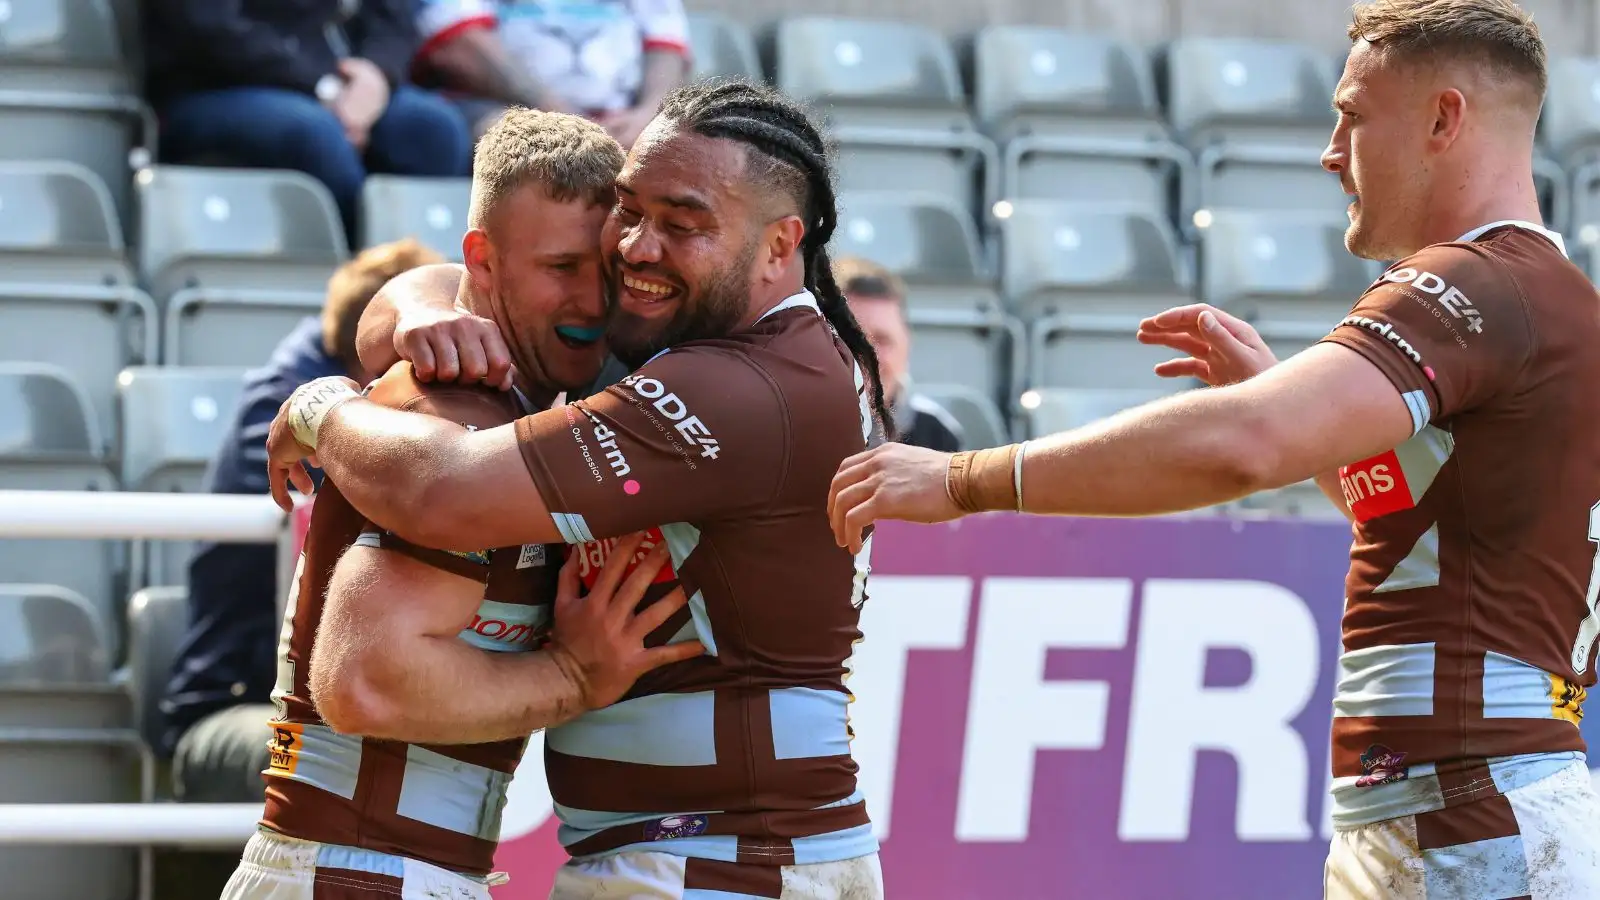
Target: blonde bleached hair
[[570, 156], [1496, 33]]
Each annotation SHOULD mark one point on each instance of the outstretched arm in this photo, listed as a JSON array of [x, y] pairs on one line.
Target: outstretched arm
[[1324, 408], [389, 661]]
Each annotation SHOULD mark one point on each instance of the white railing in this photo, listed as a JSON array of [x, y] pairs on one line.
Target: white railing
[[98, 515]]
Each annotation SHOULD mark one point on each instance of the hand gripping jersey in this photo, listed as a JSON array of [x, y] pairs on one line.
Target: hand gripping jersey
[[726, 447], [1470, 621], [438, 804]]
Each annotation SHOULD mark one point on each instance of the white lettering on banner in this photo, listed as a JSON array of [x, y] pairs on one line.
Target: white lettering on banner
[[1012, 712], [906, 613], [1175, 716]]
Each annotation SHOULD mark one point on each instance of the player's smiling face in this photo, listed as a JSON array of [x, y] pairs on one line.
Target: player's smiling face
[[680, 251], [544, 284]]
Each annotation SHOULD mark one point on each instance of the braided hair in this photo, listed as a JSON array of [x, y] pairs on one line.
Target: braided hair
[[791, 160]]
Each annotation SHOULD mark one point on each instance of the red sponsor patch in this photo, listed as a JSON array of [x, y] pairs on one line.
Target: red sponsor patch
[[1375, 487], [592, 558]]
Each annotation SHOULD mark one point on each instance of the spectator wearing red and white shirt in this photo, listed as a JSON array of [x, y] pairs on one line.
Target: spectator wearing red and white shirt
[[609, 60]]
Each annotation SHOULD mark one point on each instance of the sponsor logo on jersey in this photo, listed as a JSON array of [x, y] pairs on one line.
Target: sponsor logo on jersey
[[667, 403], [592, 558], [532, 555], [1381, 765], [1449, 298], [607, 440], [1567, 698], [1375, 487], [673, 827], [504, 632], [283, 751], [1387, 332]]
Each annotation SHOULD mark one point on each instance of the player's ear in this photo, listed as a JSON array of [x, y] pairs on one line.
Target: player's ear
[[477, 254], [782, 246]]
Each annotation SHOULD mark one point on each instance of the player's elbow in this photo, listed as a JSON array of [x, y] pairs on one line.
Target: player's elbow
[[351, 696], [1247, 454]]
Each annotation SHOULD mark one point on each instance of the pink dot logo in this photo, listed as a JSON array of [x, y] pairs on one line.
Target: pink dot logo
[[1428, 371], [630, 487]]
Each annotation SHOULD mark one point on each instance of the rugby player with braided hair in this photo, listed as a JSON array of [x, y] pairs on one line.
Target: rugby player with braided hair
[[730, 771]]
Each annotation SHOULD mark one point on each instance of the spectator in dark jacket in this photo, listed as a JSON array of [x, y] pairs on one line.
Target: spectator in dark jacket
[[218, 699], [877, 299], [313, 85]]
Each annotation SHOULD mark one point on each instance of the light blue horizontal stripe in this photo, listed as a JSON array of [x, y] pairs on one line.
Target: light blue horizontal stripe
[[592, 821], [1417, 793], [574, 529], [1512, 689], [856, 797], [1386, 681], [808, 723], [1488, 869], [453, 795], [847, 843], [656, 730], [332, 856], [506, 627], [697, 894], [1512, 773], [323, 759]]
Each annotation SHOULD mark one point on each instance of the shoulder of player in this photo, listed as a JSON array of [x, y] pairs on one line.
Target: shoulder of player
[[399, 388], [1470, 272]]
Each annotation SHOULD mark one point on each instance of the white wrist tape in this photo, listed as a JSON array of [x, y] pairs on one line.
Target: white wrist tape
[[1016, 473], [311, 404]]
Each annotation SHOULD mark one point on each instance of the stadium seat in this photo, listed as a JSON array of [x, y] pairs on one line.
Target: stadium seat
[[960, 329], [1077, 117], [157, 620], [982, 425], [49, 442], [1569, 125], [892, 96], [173, 420], [238, 256], [1052, 410], [1242, 91], [432, 210], [66, 92], [1297, 501], [64, 738], [66, 291], [1286, 272], [1267, 178], [1082, 277], [721, 47]]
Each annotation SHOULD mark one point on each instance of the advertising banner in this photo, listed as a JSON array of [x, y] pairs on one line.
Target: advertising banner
[[1068, 708]]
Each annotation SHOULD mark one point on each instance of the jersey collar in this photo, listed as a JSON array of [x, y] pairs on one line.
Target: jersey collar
[[1549, 235]]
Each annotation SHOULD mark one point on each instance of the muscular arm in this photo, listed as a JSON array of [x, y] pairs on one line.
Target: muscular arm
[[1319, 410], [476, 62], [389, 663], [1328, 483], [415, 292]]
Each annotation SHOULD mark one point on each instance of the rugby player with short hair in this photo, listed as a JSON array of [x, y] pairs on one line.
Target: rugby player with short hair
[[355, 806], [730, 772], [1453, 415]]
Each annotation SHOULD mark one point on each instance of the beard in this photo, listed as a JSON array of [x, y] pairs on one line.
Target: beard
[[711, 311]]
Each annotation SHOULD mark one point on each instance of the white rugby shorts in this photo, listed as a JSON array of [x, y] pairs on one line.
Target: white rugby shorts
[[634, 875], [1537, 842], [275, 867]]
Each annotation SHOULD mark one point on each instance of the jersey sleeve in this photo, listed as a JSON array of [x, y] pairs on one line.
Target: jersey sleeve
[[1447, 326], [471, 408], [440, 20], [698, 434], [664, 24]]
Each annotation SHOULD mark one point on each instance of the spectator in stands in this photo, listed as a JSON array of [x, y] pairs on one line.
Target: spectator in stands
[[217, 702], [609, 60], [313, 85], [877, 298]]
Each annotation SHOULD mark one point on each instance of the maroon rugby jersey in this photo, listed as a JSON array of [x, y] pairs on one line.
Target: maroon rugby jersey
[[726, 448], [1469, 625], [438, 804]]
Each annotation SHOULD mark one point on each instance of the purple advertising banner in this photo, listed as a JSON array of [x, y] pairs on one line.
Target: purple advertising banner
[[1069, 708]]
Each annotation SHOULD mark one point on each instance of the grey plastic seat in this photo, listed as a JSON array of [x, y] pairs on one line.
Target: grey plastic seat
[[238, 256], [1053, 410], [50, 636], [1288, 273], [1082, 277], [157, 620], [1297, 501], [1267, 178], [1569, 125], [982, 425], [431, 210], [48, 441], [173, 421], [721, 47], [66, 90], [892, 97], [63, 272], [1236, 90], [960, 329]]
